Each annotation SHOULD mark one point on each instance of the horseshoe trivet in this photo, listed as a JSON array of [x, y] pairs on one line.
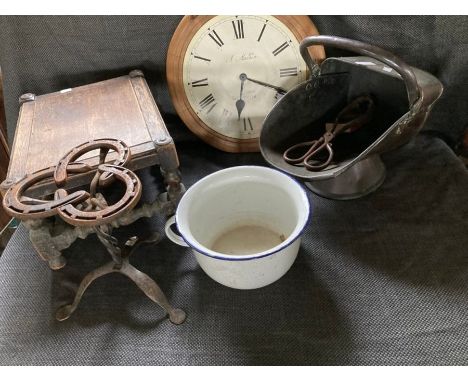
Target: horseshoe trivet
[[89, 212]]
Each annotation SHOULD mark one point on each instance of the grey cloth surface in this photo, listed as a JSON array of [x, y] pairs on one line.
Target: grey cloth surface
[[42, 54], [382, 280]]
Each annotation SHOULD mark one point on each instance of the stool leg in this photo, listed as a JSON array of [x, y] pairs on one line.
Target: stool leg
[[41, 239]]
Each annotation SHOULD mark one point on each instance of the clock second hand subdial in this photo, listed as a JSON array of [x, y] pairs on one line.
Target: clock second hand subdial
[[277, 88], [240, 103]]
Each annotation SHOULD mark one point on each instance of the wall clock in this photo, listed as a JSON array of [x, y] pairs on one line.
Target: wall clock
[[225, 73]]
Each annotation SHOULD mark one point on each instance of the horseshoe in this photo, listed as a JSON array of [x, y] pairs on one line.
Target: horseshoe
[[22, 207], [76, 217], [18, 205], [64, 165]]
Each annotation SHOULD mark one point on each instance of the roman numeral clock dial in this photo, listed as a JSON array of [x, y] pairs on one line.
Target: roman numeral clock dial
[[225, 73]]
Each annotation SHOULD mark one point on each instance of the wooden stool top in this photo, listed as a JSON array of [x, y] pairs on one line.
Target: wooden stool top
[[50, 125]]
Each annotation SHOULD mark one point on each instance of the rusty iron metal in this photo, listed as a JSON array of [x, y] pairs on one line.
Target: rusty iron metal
[[89, 212], [120, 264], [100, 216], [104, 145], [353, 117], [17, 204]]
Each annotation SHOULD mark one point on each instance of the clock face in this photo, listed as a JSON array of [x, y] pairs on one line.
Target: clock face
[[236, 67]]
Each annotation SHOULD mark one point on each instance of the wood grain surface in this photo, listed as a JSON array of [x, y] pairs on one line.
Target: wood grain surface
[[52, 124]]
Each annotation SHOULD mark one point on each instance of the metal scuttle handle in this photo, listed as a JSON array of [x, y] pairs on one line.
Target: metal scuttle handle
[[403, 69]]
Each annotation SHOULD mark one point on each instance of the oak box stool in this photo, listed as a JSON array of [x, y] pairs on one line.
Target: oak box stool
[[91, 135]]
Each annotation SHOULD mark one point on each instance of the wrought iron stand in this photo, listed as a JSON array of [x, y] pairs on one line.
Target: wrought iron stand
[[55, 224]]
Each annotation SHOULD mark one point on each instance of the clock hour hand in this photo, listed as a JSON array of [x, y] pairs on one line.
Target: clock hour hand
[[240, 103], [277, 88]]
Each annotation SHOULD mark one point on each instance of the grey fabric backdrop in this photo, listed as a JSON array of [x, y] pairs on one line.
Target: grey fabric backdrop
[[380, 280], [44, 54]]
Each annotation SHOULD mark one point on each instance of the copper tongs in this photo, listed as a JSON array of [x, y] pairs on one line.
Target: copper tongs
[[354, 116]]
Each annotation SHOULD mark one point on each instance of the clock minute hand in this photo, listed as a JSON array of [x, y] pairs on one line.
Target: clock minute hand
[[277, 88]]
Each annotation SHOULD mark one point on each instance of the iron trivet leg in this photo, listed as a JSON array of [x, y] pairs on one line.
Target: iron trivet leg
[[121, 264]]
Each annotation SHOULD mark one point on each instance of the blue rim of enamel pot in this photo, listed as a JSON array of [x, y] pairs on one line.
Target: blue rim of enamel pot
[[220, 256]]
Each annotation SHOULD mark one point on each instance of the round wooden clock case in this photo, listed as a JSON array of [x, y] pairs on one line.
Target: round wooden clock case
[[225, 73]]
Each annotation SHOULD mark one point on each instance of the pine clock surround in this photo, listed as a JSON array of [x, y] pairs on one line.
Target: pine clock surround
[[225, 73]]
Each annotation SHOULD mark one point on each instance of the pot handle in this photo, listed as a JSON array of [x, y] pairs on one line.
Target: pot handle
[[171, 235], [403, 69]]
